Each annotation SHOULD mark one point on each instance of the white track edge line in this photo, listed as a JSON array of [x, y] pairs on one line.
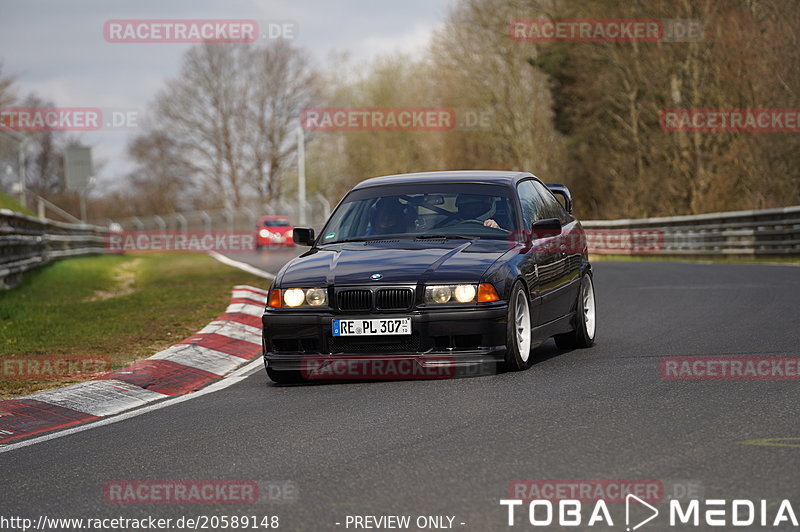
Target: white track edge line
[[241, 265], [229, 380]]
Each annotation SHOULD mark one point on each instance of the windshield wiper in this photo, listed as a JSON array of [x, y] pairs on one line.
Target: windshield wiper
[[365, 239], [447, 237]]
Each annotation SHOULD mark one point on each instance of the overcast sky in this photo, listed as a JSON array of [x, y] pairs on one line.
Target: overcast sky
[[56, 48]]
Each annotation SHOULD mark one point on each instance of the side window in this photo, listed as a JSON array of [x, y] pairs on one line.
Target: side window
[[531, 203], [552, 207]]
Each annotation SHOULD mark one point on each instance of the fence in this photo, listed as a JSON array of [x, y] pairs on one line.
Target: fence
[[27, 242], [242, 219], [764, 233]]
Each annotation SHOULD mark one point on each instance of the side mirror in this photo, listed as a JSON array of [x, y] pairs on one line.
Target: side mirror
[[548, 227], [563, 191], [303, 236]]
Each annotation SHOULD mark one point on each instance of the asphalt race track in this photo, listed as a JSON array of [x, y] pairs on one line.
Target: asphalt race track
[[452, 447]]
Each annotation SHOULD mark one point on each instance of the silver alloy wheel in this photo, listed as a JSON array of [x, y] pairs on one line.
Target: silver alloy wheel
[[587, 297], [522, 326]]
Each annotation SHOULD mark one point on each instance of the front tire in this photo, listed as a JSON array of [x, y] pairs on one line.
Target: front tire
[[585, 319], [518, 331]]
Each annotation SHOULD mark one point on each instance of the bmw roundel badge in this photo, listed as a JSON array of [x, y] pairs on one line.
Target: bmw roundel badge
[[375, 276]]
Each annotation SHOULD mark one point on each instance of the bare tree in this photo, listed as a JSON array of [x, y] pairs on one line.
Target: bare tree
[[283, 83], [8, 146], [612, 95], [203, 111], [160, 183], [45, 161], [476, 65], [229, 120]]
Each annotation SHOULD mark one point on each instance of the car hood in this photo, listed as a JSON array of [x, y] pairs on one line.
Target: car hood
[[351, 264]]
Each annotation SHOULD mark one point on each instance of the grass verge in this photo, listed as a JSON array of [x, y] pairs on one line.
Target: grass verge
[[121, 307], [7, 202]]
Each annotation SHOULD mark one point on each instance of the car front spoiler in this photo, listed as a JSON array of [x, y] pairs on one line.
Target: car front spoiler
[[438, 365], [488, 324]]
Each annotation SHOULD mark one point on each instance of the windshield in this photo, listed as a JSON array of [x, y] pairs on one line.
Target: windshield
[[276, 223], [445, 211]]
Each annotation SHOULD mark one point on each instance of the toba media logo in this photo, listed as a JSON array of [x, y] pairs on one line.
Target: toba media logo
[[693, 513]]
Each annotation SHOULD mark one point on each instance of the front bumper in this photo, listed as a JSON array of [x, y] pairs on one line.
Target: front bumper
[[274, 242], [440, 338]]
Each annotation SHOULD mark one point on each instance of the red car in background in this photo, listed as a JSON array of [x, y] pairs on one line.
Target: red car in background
[[274, 231]]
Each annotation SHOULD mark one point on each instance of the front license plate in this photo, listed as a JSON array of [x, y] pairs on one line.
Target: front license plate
[[373, 327]]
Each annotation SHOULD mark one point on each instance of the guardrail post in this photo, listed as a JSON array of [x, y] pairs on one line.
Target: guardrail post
[[228, 215], [326, 205], [251, 217], [206, 220]]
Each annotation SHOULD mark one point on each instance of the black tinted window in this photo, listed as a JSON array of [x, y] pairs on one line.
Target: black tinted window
[[552, 207], [531, 203], [425, 209]]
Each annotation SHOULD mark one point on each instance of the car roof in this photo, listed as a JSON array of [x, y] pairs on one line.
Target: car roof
[[497, 177]]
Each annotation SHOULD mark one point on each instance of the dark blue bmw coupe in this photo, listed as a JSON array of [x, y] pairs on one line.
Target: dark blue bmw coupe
[[416, 274]]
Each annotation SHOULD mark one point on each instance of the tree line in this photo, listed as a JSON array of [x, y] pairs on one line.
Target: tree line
[[222, 132]]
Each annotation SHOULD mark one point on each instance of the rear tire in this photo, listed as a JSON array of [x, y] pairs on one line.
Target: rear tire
[[518, 330], [285, 376], [585, 319]]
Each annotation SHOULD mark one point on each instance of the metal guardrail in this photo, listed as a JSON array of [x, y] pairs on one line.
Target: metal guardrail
[[27, 243], [241, 219], [763, 233]]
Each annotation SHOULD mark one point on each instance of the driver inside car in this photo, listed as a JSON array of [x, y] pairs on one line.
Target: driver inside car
[[473, 206], [388, 217]]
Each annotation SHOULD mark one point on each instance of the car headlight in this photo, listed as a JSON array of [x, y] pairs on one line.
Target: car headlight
[[264, 233], [294, 297], [458, 293], [465, 293], [438, 294], [316, 297], [461, 293], [298, 297]]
